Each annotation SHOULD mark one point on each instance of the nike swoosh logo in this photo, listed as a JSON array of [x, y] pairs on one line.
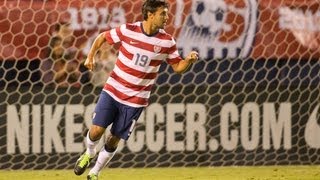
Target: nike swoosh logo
[[312, 130], [133, 42]]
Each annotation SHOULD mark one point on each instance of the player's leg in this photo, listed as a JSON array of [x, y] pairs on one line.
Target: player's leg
[[105, 112], [105, 155], [92, 140], [121, 129]]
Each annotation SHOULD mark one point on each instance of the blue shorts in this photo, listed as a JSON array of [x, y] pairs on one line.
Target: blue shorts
[[122, 117]]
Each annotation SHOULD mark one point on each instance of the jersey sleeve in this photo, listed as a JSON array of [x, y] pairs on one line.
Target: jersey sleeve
[[173, 54], [114, 35]]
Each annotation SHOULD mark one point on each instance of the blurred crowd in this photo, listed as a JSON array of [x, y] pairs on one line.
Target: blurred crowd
[[64, 65]]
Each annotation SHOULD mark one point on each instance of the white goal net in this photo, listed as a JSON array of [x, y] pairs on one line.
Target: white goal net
[[252, 99]]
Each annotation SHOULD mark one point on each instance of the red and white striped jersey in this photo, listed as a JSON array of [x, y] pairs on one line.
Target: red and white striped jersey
[[138, 63]]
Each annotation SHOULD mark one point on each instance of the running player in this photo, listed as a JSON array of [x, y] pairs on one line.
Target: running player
[[143, 47]]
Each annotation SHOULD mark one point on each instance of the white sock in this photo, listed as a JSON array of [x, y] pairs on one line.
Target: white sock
[[91, 146], [102, 160]]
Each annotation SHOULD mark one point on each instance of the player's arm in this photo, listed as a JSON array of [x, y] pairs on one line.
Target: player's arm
[[100, 39], [183, 65]]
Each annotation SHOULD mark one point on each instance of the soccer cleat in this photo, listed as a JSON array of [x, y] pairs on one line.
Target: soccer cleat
[[81, 164], [92, 177]]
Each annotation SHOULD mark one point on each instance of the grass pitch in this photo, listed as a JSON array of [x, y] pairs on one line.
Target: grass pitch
[[194, 173]]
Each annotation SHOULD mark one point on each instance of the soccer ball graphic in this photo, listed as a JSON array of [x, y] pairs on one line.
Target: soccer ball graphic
[[209, 14], [219, 28]]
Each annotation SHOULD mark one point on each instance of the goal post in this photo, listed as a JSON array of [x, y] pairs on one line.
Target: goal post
[[252, 98]]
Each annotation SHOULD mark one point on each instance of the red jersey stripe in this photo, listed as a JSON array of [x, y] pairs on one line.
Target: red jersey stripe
[[119, 33], [122, 96], [172, 49], [134, 72], [130, 85], [174, 60], [134, 27], [126, 53], [138, 29], [155, 62], [108, 37], [144, 45], [163, 36]]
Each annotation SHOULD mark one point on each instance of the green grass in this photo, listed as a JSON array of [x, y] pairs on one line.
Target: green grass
[[209, 173]]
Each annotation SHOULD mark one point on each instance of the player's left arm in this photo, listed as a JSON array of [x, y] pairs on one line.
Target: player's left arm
[[183, 65]]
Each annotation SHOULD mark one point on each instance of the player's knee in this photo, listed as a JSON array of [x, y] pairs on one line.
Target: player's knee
[[112, 143], [96, 132]]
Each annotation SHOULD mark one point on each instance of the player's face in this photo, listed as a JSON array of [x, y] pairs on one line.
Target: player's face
[[161, 17]]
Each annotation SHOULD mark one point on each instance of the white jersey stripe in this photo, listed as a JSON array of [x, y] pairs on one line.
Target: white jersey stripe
[[150, 40], [114, 35], [131, 48], [132, 79], [128, 91]]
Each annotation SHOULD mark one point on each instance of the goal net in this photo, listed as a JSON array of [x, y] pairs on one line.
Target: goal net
[[252, 99]]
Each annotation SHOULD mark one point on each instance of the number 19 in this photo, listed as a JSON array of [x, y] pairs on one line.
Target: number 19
[[141, 60]]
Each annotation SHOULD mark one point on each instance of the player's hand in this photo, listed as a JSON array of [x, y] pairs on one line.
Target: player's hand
[[193, 57], [89, 63]]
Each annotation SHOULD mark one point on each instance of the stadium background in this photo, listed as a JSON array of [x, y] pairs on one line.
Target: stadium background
[[252, 99]]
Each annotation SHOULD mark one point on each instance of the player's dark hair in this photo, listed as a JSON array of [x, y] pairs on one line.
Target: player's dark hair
[[152, 6]]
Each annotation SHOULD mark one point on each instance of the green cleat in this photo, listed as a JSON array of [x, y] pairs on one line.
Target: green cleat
[[82, 163], [92, 177]]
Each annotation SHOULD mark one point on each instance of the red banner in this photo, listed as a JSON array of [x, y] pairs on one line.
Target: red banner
[[288, 29], [217, 29]]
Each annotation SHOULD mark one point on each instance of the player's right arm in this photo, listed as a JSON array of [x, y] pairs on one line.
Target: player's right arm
[[100, 39], [111, 37]]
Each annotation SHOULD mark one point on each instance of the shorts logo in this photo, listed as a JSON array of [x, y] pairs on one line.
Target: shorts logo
[[131, 127], [93, 115], [219, 29]]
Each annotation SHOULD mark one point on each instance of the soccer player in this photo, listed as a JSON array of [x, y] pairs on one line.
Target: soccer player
[[143, 47]]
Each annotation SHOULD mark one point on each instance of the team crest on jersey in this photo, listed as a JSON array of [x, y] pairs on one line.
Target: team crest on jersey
[[156, 49]]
